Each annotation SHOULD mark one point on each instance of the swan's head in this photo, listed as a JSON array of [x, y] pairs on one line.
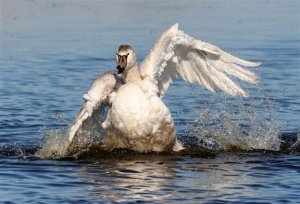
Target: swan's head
[[125, 58]]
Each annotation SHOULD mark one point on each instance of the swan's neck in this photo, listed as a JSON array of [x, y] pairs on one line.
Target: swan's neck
[[133, 75]]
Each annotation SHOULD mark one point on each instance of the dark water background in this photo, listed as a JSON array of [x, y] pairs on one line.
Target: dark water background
[[50, 51]]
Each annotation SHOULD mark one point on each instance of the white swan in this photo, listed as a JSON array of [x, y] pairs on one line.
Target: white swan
[[138, 119]]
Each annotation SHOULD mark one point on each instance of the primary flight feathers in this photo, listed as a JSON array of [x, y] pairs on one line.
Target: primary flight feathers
[[177, 54]]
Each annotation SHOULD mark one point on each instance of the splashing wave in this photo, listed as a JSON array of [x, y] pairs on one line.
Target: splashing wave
[[226, 124]]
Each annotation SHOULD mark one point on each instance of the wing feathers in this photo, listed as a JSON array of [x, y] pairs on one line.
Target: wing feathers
[[149, 66], [204, 74], [209, 48], [226, 57], [224, 82], [176, 53], [187, 71], [234, 70], [95, 98]]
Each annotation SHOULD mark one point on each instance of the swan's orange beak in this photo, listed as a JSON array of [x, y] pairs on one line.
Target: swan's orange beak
[[121, 63]]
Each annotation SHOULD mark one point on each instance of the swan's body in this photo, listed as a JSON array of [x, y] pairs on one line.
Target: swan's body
[[140, 122], [138, 119]]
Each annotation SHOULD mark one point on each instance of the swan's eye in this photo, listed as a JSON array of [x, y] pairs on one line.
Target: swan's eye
[[123, 56]]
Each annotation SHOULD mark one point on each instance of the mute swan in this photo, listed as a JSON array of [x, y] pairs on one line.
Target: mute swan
[[138, 119]]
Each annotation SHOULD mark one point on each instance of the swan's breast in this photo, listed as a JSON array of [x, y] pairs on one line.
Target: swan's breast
[[130, 99], [130, 108], [143, 122]]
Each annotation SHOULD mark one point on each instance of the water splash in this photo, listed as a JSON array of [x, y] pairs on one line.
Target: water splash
[[56, 143], [226, 123], [238, 124], [296, 145]]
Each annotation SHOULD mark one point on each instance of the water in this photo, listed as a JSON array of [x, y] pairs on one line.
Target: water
[[238, 149]]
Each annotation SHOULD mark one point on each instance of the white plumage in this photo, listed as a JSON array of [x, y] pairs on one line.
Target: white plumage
[[177, 54], [138, 119]]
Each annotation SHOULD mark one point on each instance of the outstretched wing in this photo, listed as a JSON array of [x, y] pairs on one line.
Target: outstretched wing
[[177, 54], [96, 98]]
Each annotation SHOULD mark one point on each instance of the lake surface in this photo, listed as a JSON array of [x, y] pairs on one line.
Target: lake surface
[[238, 150]]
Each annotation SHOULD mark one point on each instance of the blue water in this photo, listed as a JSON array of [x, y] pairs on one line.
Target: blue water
[[238, 149]]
